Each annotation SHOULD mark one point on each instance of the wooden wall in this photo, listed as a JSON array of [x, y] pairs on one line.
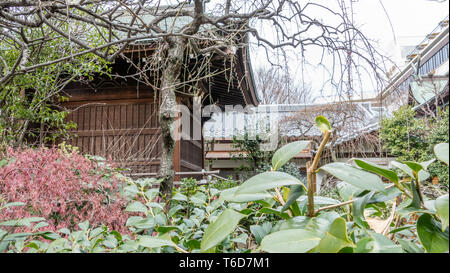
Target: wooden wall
[[127, 132], [121, 122]]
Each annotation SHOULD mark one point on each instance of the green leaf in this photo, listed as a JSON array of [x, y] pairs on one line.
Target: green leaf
[[425, 164], [288, 151], [374, 168], [323, 124], [163, 230], [382, 244], [217, 231], [193, 244], [290, 241], [318, 225], [441, 151], [22, 222], [110, 241], [198, 198], [230, 195], [416, 203], [259, 231], [267, 180], [442, 206], [409, 246], [416, 167], [136, 207], [336, 239], [179, 197], [387, 195], [153, 242], [40, 225], [320, 200], [358, 210], [295, 192], [14, 204], [347, 191], [84, 225], [422, 175], [154, 205], [274, 211], [4, 162], [433, 239], [353, 176]]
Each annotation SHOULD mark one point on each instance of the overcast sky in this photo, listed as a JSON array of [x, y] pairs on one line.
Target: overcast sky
[[409, 18], [390, 23]]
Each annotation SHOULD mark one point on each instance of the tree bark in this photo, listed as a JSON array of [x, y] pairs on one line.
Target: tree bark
[[168, 114]]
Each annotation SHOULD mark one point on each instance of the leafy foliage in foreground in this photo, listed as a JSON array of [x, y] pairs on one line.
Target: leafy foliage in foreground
[[272, 212]]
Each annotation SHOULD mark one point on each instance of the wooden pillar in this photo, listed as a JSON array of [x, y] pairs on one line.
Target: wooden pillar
[[177, 150]]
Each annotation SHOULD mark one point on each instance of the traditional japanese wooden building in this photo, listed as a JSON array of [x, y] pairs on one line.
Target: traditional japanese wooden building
[[117, 116]]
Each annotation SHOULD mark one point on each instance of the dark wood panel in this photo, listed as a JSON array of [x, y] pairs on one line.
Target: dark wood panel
[[123, 131]]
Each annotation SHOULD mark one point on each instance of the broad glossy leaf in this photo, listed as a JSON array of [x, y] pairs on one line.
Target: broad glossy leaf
[[290, 241], [382, 244], [166, 229], [22, 222], [409, 246], [377, 243], [145, 223], [336, 238], [441, 204], [318, 225], [260, 231], [14, 204], [230, 195], [320, 200], [425, 164], [423, 175], [198, 198], [274, 211], [136, 207], [323, 124], [217, 231], [40, 225], [152, 242], [416, 167], [374, 168], [193, 244], [288, 151], [415, 203], [431, 235], [441, 151], [387, 195], [347, 191], [354, 176], [358, 209], [295, 192], [267, 180], [179, 197]]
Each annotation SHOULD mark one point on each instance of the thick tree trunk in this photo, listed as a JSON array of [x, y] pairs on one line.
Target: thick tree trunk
[[167, 115]]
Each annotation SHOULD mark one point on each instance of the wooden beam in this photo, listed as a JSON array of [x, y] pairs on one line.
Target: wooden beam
[[177, 150]]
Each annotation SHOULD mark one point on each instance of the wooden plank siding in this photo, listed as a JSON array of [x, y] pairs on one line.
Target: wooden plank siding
[[122, 124], [127, 132]]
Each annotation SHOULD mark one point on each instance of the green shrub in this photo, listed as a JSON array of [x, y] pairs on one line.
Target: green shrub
[[410, 138]]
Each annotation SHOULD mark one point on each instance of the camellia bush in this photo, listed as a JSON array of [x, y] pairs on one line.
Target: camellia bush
[[379, 212]]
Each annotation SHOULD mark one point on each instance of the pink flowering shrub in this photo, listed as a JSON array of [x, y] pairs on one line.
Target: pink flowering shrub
[[64, 188]]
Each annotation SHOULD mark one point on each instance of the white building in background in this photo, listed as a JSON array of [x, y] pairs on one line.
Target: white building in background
[[429, 57]]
